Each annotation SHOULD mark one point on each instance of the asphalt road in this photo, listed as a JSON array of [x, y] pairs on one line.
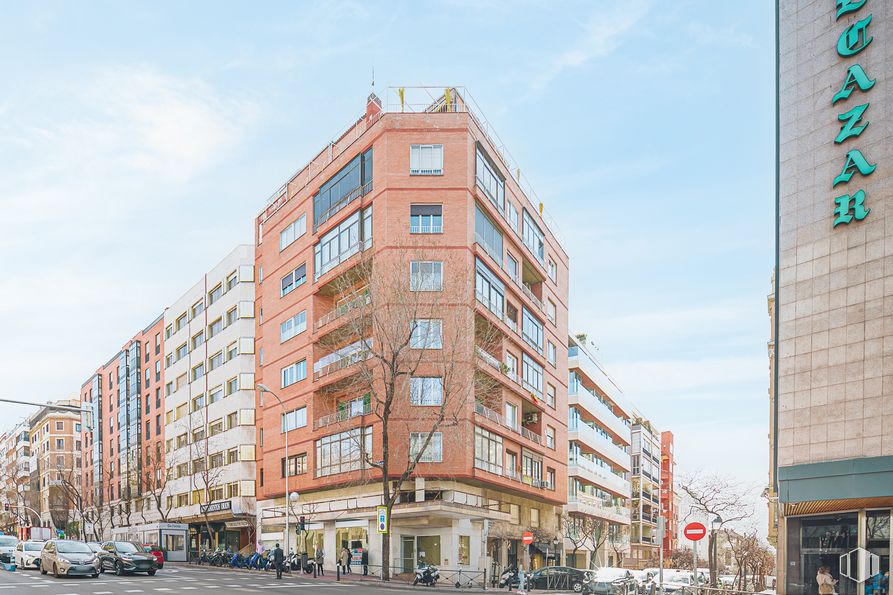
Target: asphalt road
[[182, 580]]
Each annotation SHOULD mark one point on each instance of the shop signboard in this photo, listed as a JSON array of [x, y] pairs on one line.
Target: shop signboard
[[216, 506]]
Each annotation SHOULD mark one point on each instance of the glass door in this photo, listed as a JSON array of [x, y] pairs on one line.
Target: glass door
[[407, 553], [877, 541]]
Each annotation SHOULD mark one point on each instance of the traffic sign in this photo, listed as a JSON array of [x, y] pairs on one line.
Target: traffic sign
[[695, 531], [382, 519], [527, 538]]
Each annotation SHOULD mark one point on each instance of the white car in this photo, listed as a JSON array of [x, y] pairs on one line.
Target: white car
[[27, 554], [8, 545]]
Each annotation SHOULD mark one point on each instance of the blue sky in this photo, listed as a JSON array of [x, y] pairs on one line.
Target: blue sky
[[646, 127]]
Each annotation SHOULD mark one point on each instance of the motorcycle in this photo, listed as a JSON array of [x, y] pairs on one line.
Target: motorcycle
[[426, 575], [509, 578]]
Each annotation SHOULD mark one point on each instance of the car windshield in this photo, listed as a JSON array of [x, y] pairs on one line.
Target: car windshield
[[678, 578], [73, 547], [96, 547], [8, 540], [33, 547], [610, 574], [125, 547]]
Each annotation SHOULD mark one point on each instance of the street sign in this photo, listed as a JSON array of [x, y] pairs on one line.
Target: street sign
[[527, 538], [694, 531], [382, 519]]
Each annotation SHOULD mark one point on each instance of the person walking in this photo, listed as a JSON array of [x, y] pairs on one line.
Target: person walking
[[825, 581], [277, 560], [364, 558], [345, 560], [319, 561]]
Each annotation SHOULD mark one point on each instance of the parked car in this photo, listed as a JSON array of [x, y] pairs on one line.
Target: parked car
[[679, 582], [557, 578], [127, 557], [95, 546], [156, 551], [611, 581], [64, 557], [8, 545], [27, 554]]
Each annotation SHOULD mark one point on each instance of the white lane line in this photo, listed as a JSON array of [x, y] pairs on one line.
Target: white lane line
[[102, 592], [133, 590], [188, 588], [299, 585]]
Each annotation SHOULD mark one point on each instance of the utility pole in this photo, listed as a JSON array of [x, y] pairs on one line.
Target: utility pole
[[661, 529]]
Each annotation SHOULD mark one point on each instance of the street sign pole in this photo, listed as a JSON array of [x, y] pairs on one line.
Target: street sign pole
[[695, 532], [661, 530]]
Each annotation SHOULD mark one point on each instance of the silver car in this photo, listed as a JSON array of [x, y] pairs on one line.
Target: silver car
[[8, 545], [27, 554], [64, 557]]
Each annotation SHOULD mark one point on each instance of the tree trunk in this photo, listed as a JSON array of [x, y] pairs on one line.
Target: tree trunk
[[386, 495], [711, 557]]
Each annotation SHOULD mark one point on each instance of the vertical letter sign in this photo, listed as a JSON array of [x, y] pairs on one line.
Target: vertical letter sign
[[382, 519]]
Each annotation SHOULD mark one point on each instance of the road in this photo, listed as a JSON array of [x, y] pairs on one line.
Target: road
[[183, 580]]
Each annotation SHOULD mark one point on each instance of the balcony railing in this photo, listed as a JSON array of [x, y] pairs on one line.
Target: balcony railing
[[508, 373], [598, 507], [425, 229], [348, 253], [343, 415], [500, 419], [511, 474], [599, 442], [580, 395], [363, 299], [606, 478], [352, 354], [529, 293]]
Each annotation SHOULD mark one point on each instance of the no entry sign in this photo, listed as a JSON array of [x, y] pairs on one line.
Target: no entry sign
[[695, 531], [527, 538]]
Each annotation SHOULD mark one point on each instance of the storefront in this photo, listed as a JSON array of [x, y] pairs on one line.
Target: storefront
[[170, 536], [222, 529]]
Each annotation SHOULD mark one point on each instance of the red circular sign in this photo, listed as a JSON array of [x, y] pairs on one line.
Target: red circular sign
[[695, 531], [527, 538]]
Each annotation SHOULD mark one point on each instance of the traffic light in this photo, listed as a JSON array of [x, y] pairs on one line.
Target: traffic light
[[302, 525], [6, 507]]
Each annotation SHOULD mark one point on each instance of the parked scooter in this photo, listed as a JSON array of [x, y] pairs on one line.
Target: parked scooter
[[509, 578], [426, 575]]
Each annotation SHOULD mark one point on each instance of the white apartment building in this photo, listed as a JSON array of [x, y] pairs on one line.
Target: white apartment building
[[210, 404], [15, 477], [645, 504], [599, 439]]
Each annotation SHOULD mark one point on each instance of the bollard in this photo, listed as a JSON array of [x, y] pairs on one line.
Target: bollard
[[338, 572]]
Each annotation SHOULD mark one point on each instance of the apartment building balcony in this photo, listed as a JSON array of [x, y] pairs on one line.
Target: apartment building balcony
[[344, 415], [501, 420], [341, 359], [588, 402], [647, 540], [338, 314], [524, 283], [512, 474], [598, 475], [644, 517], [353, 254], [606, 449], [597, 507], [509, 377], [648, 497]]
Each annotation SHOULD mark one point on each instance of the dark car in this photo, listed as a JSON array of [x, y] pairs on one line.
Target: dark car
[[156, 551], [557, 578], [125, 557]]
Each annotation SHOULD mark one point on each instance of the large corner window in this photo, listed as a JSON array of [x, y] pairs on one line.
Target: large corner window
[[532, 375], [487, 234], [351, 182], [489, 180], [532, 330], [351, 236], [534, 238], [490, 291], [343, 452], [426, 160]]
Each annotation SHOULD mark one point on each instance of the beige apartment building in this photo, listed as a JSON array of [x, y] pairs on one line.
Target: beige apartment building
[[833, 402], [56, 463]]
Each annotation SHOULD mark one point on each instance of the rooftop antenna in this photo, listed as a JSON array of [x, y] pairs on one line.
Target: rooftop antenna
[[373, 78]]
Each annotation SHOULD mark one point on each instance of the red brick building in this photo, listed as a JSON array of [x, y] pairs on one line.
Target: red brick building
[[667, 492]]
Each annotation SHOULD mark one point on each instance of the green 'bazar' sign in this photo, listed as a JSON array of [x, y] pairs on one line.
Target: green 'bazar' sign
[[852, 41]]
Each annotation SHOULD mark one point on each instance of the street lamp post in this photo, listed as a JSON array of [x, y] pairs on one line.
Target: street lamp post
[[265, 389], [715, 526]]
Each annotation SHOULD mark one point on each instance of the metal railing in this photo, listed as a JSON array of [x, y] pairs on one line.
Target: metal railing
[[425, 229], [343, 415], [360, 353], [358, 248], [512, 425], [361, 300]]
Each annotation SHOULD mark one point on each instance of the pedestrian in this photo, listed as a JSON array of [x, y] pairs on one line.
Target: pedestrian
[[825, 581], [319, 561], [364, 557], [277, 560], [345, 560]]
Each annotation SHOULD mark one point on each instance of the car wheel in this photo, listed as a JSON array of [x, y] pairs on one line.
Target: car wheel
[[151, 572], [577, 587], [94, 575], [119, 571]]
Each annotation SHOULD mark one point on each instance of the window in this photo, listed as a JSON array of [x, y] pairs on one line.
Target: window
[[198, 402], [511, 415], [297, 418], [487, 234], [550, 352], [511, 366], [343, 452], [231, 280], [297, 464], [215, 327], [260, 356], [533, 237], [232, 350], [215, 427], [512, 267], [216, 360], [294, 373], [487, 451], [350, 237], [157, 370], [532, 329], [489, 290], [231, 316], [425, 218], [490, 180], [148, 430], [550, 478], [513, 217], [168, 331], [351, 182], [197, 308], [552, 270], [60, 425], [426, 334], [531, 469], [426, 160], [550, 311], [215, 460], [534, 517], [197, 339], [182, 351], [232, 420], [292, 232], [232, 489], [215, 294], [293, 280], [434, 451], [550, 396], [295, 325], [198, 371], [550, 437], [232, 385], [532, 374], [426, 275], [181, 321], [60, 443], [215, 394], [426, 390]]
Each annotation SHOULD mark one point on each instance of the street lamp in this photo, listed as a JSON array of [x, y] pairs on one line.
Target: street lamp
[[292, 499], [715, 525], [265, 389]]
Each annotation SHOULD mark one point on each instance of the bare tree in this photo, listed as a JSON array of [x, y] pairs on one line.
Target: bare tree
[[617, 540], [396, 326], [682, 557], [206, 467], [719, 498], [155, 484], [575, 531]]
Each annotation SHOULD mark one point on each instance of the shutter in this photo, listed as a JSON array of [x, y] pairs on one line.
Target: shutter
[[425, 209]]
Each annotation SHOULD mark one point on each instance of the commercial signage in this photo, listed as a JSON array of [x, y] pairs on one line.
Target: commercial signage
[[852, 41], [382, 519], [216, 506], [694, 531]]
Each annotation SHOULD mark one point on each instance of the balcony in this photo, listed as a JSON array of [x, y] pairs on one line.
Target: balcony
[[363, 298], [578, 358], [525, 388], [598, 507], [343, 358], [580, 432], [346, 255], [582, 398], [343, 415], [511, 474], [644, 517], [598, 475], [425, 229], [500, 419]]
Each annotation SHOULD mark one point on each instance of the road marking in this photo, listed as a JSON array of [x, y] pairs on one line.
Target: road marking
[[162, 589], [102, 592], [134, 591], [188, 588]]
